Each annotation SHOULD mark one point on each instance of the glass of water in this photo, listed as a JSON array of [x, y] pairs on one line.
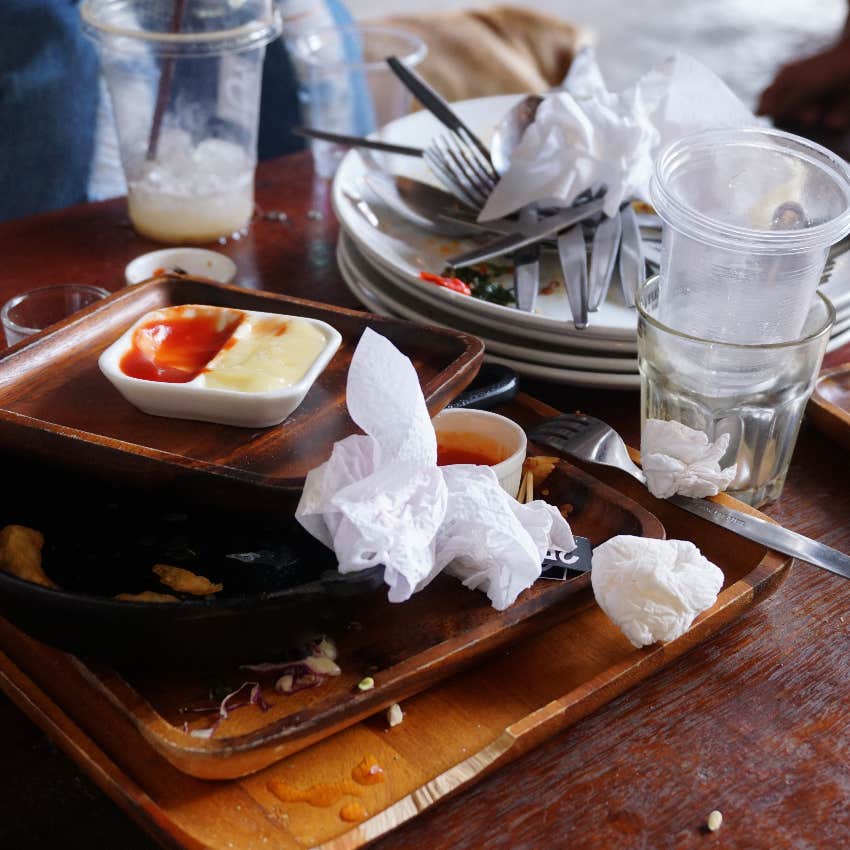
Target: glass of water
[[756, 393]]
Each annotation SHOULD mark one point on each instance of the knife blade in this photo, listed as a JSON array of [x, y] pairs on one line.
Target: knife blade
[[572, 252], [356, 141], [775, 536], [606, 242], [632, 265], [527, 278], [513, 242]]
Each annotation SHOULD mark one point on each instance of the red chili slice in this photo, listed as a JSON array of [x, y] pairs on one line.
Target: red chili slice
[[453, 283]]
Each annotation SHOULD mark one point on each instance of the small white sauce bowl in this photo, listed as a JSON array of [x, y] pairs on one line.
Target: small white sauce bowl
[[194, 400], [492, 428], [194, 261]]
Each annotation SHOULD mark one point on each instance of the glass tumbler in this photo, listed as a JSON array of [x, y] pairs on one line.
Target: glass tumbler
[[184, 79], [31, 312], [755, 393]]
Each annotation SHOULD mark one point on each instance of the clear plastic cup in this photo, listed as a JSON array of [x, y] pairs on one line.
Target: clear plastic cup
[[749, 218], [346, 85], [186, 99], [31, 312], [754, 393]]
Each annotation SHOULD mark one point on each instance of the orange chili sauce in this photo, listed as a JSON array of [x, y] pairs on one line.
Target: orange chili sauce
[[353, 813], [460, 447], [176, 349]]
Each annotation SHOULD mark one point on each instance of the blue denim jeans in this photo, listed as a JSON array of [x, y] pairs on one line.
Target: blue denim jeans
[[49, 89]]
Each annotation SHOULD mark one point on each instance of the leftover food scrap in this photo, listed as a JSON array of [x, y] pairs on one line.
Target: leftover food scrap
[[20, 554], [146, 596], [185, 581]]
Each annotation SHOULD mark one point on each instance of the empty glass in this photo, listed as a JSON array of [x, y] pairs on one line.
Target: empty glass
[[755, 393], [33, 311], [346, 85]]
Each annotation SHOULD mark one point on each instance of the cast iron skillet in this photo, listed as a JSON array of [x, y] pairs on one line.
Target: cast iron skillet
[[281, 587]]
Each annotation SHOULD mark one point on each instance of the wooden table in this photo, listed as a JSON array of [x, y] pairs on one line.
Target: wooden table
[[755, 723]]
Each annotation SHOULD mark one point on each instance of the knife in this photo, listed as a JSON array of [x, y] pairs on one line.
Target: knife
[[775, 536], [632, 265], [606, 242], [513, 242], [527, 266], [356, 141], [572, 252]]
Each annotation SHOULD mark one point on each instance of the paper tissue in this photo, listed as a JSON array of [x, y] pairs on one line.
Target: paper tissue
[[653, 589], [585, 136], [681, 460], [382, 499]]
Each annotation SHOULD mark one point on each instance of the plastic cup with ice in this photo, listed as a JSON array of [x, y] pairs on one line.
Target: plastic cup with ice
[[185, 95]]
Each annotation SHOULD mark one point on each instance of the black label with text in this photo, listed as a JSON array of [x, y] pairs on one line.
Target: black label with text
[[558, 564]]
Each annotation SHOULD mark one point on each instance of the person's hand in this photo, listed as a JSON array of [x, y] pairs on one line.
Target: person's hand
[[812, 91]]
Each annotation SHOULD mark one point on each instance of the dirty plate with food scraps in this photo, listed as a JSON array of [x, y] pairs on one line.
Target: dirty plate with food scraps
[[401, 250]]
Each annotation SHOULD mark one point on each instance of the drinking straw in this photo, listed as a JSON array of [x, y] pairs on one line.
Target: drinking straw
[[164, 89]]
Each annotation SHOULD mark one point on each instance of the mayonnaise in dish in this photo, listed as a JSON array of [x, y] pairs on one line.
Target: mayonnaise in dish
[[265, 353], [219, 364]]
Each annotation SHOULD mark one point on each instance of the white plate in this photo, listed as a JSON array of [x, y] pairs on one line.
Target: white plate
[[404, 250], [378, 303], [464, 312], [352, 264]]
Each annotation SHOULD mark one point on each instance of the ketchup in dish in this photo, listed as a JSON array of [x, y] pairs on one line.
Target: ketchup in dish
[[176, 346]]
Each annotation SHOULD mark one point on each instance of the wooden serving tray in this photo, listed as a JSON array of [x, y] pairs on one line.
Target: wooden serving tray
[[829, 406], [55, 405], [452, 734], [405, 648]]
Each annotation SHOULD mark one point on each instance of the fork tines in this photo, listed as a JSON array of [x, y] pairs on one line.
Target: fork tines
[[461, 167]]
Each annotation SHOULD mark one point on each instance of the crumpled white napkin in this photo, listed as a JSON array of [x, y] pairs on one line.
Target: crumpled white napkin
[[653, 589], [679, 459], [382, 499], [584, 135]]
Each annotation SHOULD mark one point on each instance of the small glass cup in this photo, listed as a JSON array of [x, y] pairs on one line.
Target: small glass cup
[[346, 85], [184, 81], [749, 217], [33, 311], [755, 393]]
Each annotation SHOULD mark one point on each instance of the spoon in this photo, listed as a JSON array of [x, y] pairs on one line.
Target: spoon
[[509, 131]]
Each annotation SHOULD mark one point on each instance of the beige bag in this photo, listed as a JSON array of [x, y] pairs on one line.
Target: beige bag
[[498, 50]]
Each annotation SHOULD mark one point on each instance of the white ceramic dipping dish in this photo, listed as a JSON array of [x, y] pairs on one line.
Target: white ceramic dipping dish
[[194, 261], [491, 428], [193, 400]]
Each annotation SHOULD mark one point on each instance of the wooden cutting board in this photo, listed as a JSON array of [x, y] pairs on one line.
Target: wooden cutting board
[[452, 734]]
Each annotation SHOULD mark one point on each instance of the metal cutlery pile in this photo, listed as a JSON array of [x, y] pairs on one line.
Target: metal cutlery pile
[[461, 162]]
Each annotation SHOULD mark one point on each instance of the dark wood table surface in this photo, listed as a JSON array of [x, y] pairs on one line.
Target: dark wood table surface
[[755, 723]]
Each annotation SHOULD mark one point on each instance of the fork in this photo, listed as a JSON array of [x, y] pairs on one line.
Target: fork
[[461, 168], [586, 438]]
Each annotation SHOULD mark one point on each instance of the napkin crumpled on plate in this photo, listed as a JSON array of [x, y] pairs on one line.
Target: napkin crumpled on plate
[[653, 589], [584, 135], [382, 499], [679, 459]]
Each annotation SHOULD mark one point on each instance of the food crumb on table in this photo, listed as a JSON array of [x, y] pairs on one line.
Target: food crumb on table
[[714, 820]]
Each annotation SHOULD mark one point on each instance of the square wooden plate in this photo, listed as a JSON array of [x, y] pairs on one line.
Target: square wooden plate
[[57, 407]]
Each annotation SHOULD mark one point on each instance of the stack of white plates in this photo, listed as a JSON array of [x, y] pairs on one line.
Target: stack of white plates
[[381, 256]]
